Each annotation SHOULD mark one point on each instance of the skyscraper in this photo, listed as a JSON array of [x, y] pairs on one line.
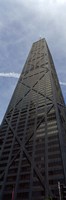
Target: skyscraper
[[33, 132]]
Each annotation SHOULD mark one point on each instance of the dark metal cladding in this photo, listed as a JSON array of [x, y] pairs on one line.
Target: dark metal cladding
[[33, 132]]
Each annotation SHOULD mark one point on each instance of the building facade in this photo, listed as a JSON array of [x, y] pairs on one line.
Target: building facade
[[33, 132]]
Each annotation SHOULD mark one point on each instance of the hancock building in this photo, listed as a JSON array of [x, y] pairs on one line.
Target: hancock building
[[33, 132]]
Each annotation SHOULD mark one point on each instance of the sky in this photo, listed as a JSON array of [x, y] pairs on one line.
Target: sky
[[23, 22]]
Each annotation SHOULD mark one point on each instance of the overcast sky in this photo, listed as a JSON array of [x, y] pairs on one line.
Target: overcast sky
[[21, 23]]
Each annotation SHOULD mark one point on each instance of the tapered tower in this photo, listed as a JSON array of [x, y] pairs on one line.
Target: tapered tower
[[33, 132]]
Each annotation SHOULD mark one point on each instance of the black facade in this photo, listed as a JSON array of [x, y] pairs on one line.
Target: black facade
[[33, 132]]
